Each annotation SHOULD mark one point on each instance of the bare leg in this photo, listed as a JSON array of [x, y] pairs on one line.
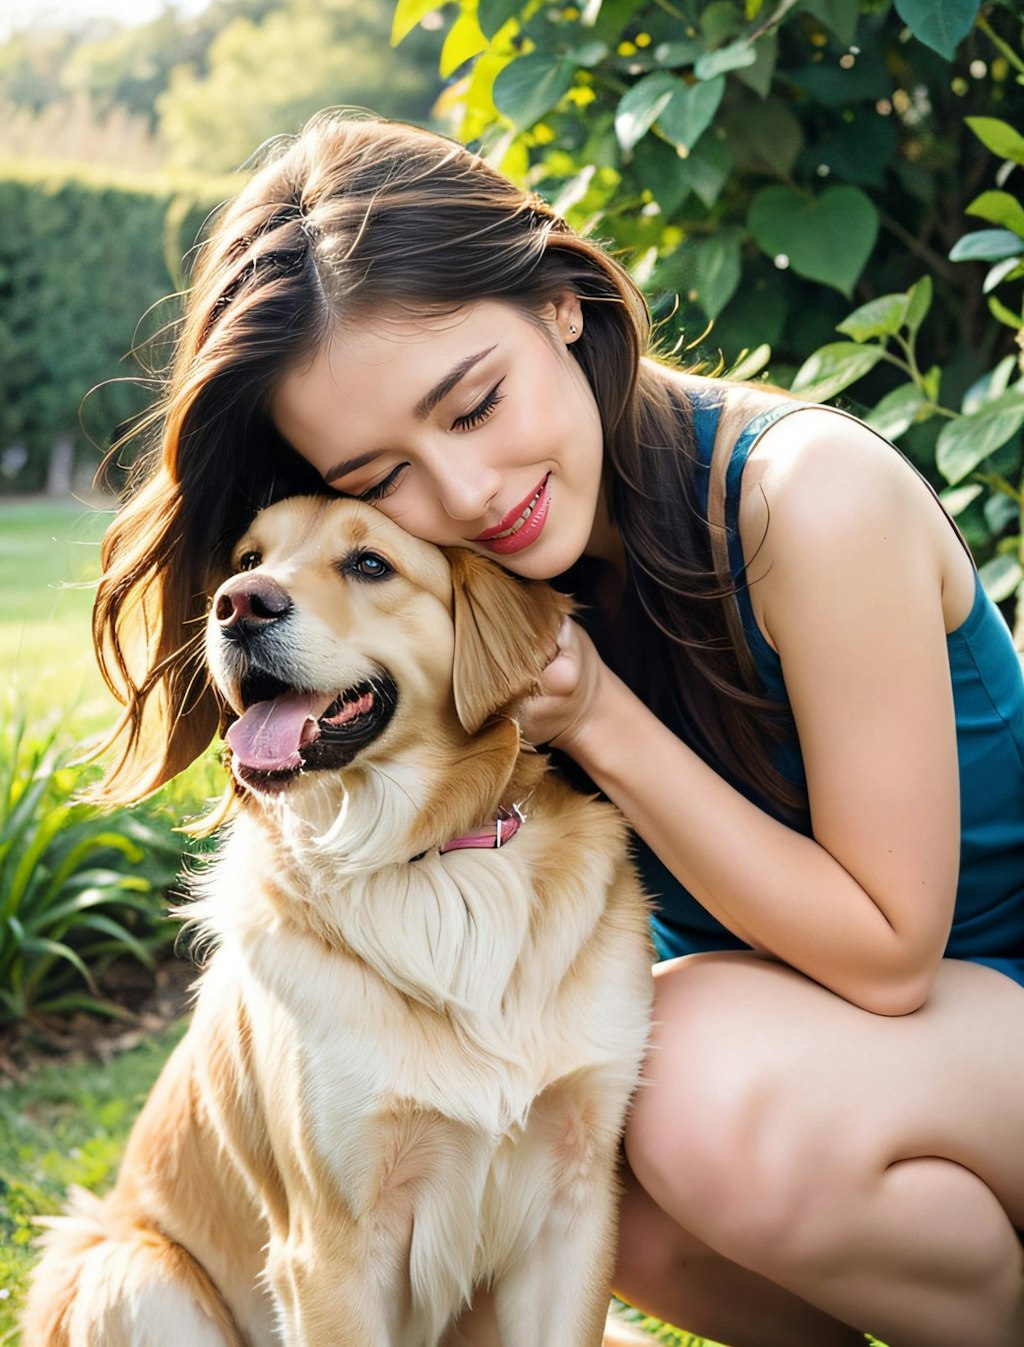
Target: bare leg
[[869, 1166]]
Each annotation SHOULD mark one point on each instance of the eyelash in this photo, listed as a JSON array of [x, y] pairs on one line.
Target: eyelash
[[481, 411], [479, 414]]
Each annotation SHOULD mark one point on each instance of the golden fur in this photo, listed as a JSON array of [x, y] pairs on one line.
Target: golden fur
[[405, 1079]]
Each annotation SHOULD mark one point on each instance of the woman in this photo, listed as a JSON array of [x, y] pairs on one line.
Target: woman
[[785, 673]]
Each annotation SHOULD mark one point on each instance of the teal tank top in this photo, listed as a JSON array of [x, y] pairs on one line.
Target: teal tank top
[[988, 694]]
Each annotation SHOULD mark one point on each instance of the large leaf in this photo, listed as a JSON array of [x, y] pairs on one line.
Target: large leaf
[[690, 111], [999, 208], [986, 245], [999, 137], [640, 106], [492, 14], [840, 16], [897, 411], [826, 238], [735, 56], [717, 270], [940, 24], [465, 40], [531, 85], [832, 368], [1001, 576], [408, 13], [881, 317], [968, 440]]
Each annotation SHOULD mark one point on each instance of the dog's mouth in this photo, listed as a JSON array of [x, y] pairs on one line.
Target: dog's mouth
[[285, 731]]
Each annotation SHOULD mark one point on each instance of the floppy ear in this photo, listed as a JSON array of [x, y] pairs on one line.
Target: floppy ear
[[505, 630]]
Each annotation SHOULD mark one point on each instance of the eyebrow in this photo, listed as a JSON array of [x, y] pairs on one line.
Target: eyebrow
[[422, 410]]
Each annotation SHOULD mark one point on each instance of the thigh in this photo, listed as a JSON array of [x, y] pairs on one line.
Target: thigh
[[751, 1059]]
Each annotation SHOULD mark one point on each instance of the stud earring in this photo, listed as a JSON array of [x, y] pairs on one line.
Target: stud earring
[[572, 330]]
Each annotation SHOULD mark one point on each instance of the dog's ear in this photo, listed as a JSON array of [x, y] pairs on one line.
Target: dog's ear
[[505, 634]]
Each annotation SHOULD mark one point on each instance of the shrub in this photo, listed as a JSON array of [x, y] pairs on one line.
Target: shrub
[[78, 887]]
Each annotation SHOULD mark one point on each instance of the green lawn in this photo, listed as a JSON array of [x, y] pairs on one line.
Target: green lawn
[[49, 559]]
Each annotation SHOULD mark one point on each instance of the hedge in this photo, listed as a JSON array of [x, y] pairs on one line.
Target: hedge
[[83, 255]]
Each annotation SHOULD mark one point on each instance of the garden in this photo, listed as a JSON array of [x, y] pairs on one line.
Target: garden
[[825, 194]]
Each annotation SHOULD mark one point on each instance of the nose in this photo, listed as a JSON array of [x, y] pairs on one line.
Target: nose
[[465, 490], [247, 603]]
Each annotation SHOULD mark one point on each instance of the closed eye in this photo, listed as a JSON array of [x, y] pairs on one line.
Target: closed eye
[[481, 411], [384, 487]]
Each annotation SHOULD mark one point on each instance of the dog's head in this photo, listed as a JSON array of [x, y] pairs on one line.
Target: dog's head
[[341, 638]]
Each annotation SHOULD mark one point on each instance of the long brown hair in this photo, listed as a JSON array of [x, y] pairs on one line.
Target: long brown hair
[[353, 214]]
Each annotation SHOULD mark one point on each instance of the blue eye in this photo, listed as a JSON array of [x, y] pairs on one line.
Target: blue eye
[[367, 565]]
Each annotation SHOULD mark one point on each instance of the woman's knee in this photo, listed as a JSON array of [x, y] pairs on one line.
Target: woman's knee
[[714, 1136]]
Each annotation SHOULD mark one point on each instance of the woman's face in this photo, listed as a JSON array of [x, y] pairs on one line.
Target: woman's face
[[476, 427]]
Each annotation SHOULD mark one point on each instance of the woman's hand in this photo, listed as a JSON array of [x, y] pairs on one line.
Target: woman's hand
[[557, 713]]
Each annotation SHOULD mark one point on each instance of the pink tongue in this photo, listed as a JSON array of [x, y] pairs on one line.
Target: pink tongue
[[269, 735]]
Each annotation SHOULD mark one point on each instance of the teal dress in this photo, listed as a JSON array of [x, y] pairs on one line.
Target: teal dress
[[988, 694]]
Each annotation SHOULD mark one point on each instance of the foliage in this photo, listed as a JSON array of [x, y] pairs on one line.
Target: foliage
[[762, 163], [82, 255], [78, 887], [976, 446]]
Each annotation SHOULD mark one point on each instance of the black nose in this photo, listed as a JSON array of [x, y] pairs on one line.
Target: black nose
[[247, 603]]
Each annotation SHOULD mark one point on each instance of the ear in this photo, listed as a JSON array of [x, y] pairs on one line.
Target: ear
[[505, 634], [565, 313]]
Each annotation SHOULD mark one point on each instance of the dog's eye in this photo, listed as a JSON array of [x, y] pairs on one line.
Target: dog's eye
[[248, 561], [369, 565]]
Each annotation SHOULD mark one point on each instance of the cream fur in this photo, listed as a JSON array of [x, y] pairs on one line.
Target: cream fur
[[405, 1079]]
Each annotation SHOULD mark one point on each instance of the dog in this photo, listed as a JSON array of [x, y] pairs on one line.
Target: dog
[[395, 1118]]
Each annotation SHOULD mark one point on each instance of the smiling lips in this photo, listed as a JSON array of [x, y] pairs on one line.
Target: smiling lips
[[521, 526]]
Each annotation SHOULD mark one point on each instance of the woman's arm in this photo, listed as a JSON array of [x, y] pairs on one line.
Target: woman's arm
[[850, 593]]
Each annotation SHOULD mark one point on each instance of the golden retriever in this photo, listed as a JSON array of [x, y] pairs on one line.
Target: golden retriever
[[404, 1083]]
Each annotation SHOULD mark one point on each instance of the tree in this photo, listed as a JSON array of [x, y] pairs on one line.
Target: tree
[[266, 77]]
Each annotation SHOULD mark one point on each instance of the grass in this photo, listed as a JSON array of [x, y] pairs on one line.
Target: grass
[[49, 557], [67, 1124]]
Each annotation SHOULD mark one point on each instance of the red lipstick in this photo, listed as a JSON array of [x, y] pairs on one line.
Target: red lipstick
[[521, 526]]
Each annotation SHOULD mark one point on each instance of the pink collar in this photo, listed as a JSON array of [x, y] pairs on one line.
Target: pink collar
[[504, 828]]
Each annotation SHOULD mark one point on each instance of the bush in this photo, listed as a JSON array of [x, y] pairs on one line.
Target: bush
[[78, 887], [83, 255]]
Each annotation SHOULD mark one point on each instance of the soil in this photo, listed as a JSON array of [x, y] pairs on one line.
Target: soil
[[146, 1000]]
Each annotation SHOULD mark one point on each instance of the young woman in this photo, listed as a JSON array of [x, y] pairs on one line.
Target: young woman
[[784, 672]]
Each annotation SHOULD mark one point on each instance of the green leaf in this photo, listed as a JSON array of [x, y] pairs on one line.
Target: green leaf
[[989, 387], [999, 137], [690, 111], [735, 56], [881, 317], [999, 208], [748, 364], [531, 85], [759, 75], [967, 441], [639, 107], [409, 13], [717, 270], [1008, 270], [1002, 314], [920, 297], [774, 137], [986, 245], [832, 368], [955, 499], [827, 238], [1001, 577], [840, 16], [897, 411], [494, 14], [705, 171], [465, 40], [683, 51], [939, 24]]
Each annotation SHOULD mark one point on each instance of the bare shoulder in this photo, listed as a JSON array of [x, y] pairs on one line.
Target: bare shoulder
[[822, 490]]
